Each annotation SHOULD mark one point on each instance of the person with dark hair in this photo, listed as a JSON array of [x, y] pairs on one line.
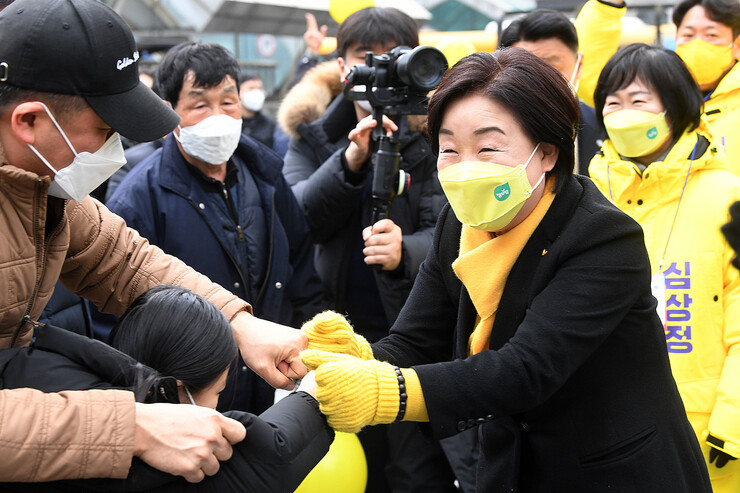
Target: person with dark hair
[[256, 123], [173, 346], [554, 351], [216, 199], [662, 166], [707, 40], [69, 88], [367, 269], [164, 329], [550, 35]]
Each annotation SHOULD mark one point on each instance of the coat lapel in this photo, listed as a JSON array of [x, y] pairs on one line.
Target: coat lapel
[[520, 286]]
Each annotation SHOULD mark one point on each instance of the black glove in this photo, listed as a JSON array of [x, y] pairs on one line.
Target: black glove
[[731, 230], [721, 457]]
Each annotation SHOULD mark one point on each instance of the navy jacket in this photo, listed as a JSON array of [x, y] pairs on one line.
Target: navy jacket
[[166, 204], [162, 200], [575, 392], [590, 138]]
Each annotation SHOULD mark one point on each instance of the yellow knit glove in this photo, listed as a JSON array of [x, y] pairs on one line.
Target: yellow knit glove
[[330, 331], [353, 393]]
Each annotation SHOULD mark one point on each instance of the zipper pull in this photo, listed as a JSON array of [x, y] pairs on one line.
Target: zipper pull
[[241, 233], [28, 320]]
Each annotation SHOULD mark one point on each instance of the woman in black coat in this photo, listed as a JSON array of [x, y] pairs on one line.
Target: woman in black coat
[[532, 319], [189, 343]]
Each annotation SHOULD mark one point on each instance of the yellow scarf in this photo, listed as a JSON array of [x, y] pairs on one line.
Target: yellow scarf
[[485, 262]]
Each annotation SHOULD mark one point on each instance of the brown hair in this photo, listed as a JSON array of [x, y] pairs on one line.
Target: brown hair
[[537, 95]]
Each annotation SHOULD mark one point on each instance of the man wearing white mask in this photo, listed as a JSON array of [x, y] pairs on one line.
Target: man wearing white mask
[[217, 199], [255, 122], [68, 86], [551, 36]]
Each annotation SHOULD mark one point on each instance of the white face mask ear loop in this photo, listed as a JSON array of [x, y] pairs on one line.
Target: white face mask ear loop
[[42, 158], [54, 120], [531, 156], [176, 134], [542, 177], [573, 80], [190, 396]]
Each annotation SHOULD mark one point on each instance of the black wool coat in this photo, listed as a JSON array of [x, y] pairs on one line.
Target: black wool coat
[[575, 392]]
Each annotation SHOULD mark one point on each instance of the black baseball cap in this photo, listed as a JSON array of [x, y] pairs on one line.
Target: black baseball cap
[[82, 47]]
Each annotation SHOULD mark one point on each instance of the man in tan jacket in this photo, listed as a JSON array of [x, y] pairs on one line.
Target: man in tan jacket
[[68, 84]]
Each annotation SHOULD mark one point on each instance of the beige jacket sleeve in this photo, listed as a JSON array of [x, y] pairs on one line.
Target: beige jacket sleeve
[[68, 435], [111, 265], [87, 434]]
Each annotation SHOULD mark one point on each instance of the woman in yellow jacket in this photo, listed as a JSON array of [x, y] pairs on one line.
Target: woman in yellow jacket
[[661, 166], [707, 40]]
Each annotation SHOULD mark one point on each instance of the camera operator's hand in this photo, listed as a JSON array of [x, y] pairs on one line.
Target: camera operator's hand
[[359, 148], [383, 244]]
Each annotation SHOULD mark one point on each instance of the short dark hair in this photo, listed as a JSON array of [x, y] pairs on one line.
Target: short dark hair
[[179, 334], [247, 76], [372, 26], [541, 24], [210, 63], [62, 106], [664, 72], [537, 95], [726, 12]]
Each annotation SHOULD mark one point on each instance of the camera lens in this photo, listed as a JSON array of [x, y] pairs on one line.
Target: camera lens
[[363, 75], [422, 68]]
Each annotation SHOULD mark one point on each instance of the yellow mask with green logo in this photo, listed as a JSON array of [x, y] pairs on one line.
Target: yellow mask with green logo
[[487, 196], [636, 133], [707, 62]]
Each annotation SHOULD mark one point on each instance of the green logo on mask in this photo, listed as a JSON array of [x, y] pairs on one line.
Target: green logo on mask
[[502, 192], [652, 133]]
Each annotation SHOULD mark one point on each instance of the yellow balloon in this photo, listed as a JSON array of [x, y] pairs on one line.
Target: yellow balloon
[[341, 9], [454, 50], [343, 469]]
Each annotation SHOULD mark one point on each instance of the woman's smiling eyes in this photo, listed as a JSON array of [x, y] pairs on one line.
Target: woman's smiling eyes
[[449, 150]]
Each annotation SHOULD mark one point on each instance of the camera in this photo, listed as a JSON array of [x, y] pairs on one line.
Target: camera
[[397, 81], [394, 83]]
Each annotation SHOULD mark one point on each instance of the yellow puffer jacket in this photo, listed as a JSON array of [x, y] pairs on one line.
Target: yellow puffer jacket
[[599, 28], [722, 111], [702, 288]]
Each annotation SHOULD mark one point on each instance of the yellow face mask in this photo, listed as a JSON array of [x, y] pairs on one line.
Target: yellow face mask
[[636, 133], [487, 196], [707, 62]]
